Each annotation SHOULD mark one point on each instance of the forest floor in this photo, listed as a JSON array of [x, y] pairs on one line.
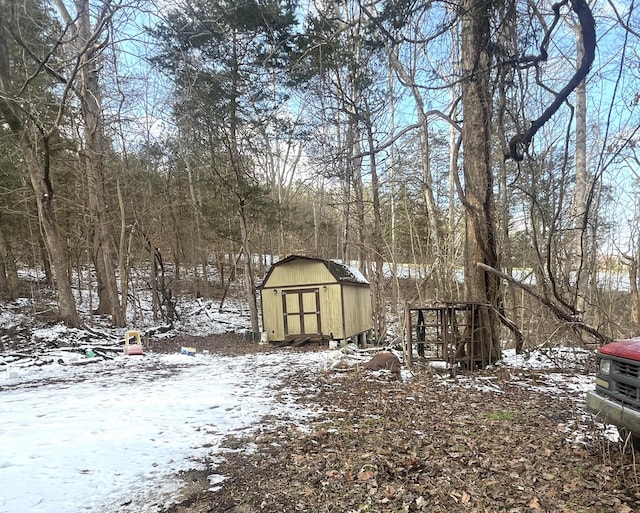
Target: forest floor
[[508, 439]]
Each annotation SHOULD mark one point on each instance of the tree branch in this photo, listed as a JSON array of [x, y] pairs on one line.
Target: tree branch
[[520, 142], [555, 309]]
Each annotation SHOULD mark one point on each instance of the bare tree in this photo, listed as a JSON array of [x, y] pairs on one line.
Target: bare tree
[[88, 40], [481, 236], [36, 128]]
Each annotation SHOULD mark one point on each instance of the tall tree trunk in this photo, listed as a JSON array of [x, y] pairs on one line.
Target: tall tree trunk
[[344, 244], [453, 248], [376, 276], [90, 97], [123, 252], [240, 178], [39, 174], [247, 267], [395, 287], [435, 237], [578, 258], [358, 193], [316, 230], [347, 191], [505, 77], [199, 246], [354, 165], [481, 286], [8, 271]]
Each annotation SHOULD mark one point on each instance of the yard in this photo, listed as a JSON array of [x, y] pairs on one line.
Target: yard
[[513, 439], [243, 428]]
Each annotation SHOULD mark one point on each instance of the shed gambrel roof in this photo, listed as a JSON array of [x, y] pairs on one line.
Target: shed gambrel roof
[[341, 272]]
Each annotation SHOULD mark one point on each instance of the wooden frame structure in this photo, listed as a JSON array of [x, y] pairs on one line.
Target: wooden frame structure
[[447, 332]]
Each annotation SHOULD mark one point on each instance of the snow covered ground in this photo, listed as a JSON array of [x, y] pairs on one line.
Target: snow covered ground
[[111, 436], [103, 435]]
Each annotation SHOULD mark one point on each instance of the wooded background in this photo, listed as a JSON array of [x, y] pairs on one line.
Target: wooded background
[[470, 150]]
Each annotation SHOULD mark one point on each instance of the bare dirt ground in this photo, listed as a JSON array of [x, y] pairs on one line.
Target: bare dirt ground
[[226, 344], [495, 442]]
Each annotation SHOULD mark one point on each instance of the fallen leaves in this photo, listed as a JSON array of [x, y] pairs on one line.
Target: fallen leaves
[[460, 497], [388, 446], [366, 475], [534, 504]]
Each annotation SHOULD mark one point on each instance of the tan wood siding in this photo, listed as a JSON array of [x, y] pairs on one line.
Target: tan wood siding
[[331, 309], [300, 274], [357, 311], [272, 317]]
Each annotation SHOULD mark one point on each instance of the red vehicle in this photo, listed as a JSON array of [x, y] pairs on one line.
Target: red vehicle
[[616, 399]]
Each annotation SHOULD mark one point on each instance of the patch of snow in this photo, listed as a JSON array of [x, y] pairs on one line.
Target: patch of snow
[[546, 358], [114, 440]]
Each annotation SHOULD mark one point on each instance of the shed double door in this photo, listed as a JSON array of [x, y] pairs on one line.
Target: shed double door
[[301, 310]]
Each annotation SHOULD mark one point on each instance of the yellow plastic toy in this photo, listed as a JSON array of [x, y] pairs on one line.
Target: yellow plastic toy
[[136, 347]]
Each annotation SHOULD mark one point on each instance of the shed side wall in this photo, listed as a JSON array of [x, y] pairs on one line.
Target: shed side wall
[[357, 309]]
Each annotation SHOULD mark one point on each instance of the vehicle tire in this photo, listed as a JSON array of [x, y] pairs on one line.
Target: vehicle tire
[[628, 439]]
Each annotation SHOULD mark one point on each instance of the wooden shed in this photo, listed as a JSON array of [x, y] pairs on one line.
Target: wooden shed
[[306, 299]]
